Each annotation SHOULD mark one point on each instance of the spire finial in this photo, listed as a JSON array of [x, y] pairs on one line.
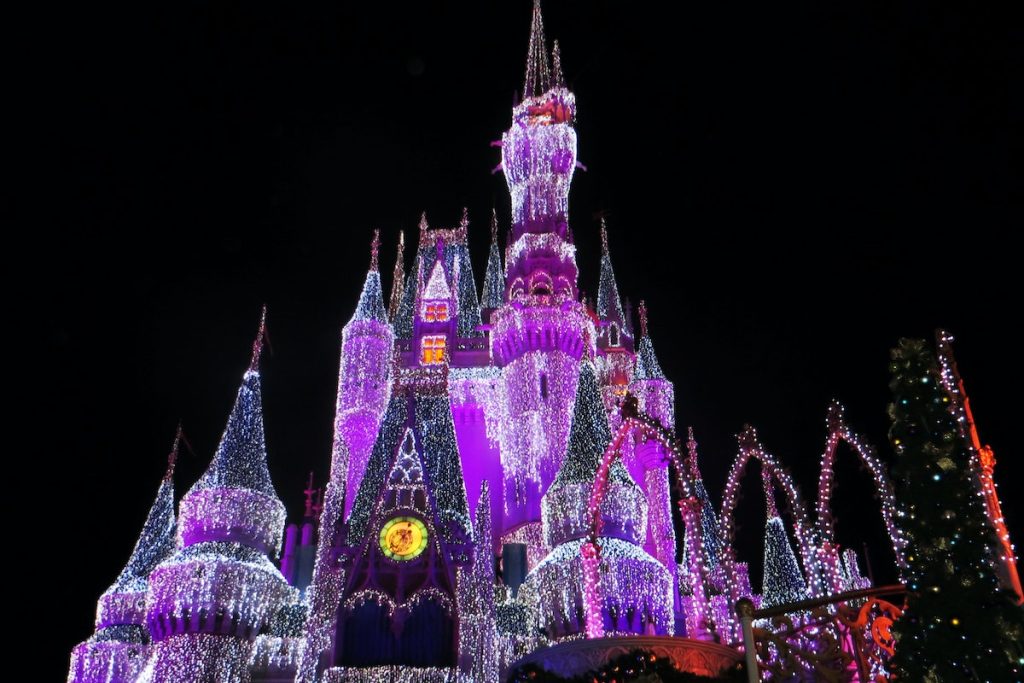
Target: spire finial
[[375, 250], [464, 221], [557, 79], [172, 457], [538, 77], [257, 345], [423, 224], [398, 277], [494, 225], [642, 311], [604, 237]]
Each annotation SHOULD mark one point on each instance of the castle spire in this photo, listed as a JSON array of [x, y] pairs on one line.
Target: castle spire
[[371, 299], [241, 459], [156, 541], [588, 436], [121, 641], [712, 540], [609, 305], [397, 278], [375, 250], [538, 76], [647, 366], [494, 277], [557, 79]]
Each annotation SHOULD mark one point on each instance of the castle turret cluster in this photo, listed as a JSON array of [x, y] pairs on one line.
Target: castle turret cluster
[[469, 432]]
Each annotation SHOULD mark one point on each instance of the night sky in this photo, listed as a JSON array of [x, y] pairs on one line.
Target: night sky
[[791, 187]]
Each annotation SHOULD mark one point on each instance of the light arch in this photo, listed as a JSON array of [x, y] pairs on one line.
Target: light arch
[[838, 430], [750, 448]]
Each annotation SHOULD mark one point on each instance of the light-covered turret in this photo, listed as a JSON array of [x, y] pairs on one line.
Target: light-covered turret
[[494, 276], [364, 380], [636, 589], [208, 602], [118, 650], [542, 332], [783, 582], [615, 332]]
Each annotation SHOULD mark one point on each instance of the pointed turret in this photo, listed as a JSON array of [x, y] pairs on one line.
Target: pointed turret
[[557, 79], [117, 651], [588, 437], [712, 540], [364, 378], [494, 277], [241, 459], [371, 299], [783, 580], [647, 366], [538, 75], [397, 278], [609, 304], [156, 541], [557, 579], [221, 580]]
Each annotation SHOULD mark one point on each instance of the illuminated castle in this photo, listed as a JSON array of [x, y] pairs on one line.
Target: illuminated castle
[[499, 482]]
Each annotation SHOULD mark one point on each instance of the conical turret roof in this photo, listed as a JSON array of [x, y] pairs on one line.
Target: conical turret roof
[[241, 459], [588, 437], [156, 541], [609, 304], [494, 277], [371, 299], [647, 366]]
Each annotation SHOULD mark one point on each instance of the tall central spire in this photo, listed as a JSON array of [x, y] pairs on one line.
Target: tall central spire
[[538, 74]]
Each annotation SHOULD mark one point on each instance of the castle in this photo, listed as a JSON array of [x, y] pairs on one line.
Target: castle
[[458, 530]]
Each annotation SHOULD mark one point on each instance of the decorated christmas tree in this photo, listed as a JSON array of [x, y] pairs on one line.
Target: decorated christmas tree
[[958, 625]]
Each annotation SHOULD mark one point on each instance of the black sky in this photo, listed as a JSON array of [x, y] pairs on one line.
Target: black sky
[[791, 187]]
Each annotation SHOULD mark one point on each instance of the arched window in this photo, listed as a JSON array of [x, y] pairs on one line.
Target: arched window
[[613, 335]]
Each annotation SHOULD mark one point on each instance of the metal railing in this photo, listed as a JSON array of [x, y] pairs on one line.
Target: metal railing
[[839, 639]]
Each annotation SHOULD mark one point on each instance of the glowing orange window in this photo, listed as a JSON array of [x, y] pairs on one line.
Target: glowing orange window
[[436, 312], [432, 349]]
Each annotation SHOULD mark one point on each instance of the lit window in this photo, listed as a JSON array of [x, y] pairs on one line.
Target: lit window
[[435, 312], [432, 349]]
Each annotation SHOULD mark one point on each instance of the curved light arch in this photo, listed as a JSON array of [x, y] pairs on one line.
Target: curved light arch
[[750, 448], [644, 428], [838, 431]]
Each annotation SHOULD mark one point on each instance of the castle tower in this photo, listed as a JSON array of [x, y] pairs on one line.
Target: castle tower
[[636, 589], [438, 320], [783, 582], [649, 463], [364, 380], [494, 277], [397, 278], [711, 531], [207, 603], [408, 533], [117, 651], [539, 336]]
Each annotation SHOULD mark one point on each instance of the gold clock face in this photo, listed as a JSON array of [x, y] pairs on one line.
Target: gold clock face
[[403, 538]]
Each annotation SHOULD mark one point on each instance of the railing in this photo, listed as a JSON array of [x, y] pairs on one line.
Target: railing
[[839, 639]]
